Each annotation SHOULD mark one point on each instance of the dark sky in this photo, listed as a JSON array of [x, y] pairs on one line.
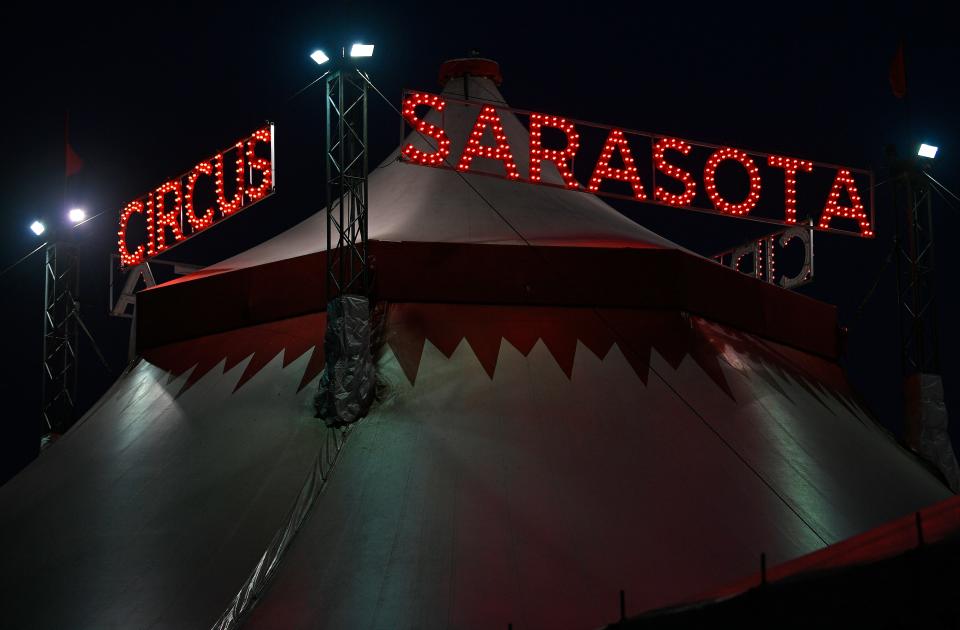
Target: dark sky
[[150, 90]]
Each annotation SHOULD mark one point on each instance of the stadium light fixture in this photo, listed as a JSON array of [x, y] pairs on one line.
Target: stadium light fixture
[[76, 215], [37, 228], [319, 57], [361, 50], [927, 151]]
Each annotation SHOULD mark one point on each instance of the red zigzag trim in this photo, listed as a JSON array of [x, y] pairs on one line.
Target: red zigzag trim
[[408, 326]]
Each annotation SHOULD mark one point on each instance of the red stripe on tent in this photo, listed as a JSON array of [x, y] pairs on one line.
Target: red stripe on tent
[[204, 364], [674, 335], [262, 344], [706, 356], [296, 348], [408, 350], [939, 521], [407, 347], [259, 360], [523, 338], [484, 339], [296, 335], [563, 346], [674, 339], [314, 367], [446, 337], [597, 339], [502, 275]]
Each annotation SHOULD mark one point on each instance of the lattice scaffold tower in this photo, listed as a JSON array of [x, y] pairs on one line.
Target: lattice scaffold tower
[[61, 328], [347, 168], [916, 292]]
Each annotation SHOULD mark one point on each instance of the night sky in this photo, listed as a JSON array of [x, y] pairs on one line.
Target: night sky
[[150, 91]]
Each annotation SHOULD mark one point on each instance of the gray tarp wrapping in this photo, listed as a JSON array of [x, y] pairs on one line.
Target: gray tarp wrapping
[[347, 382], [928, 414]]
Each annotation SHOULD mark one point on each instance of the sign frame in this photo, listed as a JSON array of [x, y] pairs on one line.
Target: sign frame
[[479, 103], [145, 252]]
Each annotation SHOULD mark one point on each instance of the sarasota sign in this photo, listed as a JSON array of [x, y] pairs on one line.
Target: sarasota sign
[[642, 166]]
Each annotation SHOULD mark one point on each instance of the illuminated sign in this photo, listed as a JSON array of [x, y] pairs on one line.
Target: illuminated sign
[[643, 166], [216, 188], [764, 258]]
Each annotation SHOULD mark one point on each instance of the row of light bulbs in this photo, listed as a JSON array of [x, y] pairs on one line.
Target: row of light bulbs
[[790, 168], [844, 181], [489, 117], [561, 158], [159, 219], [410, 104], [616, 141]]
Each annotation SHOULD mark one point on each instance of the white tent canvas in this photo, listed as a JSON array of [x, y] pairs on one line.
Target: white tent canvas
[[522, 465]]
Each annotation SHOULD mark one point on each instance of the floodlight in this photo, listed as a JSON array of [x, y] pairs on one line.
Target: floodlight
[[927, 151], [76, 215], [361, 50], [320, 57], [37, 228]]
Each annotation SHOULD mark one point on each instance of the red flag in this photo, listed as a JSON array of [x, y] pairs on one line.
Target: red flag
[[898, 73], [74, 163]]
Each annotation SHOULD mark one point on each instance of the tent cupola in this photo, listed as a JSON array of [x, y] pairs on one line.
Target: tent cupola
[[470, 67]]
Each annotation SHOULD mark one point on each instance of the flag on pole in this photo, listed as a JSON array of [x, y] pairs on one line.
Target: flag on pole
[[73, 161], [898, 73]]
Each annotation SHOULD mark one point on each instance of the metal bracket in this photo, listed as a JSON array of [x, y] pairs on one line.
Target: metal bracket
[[128, 298], [764, 256]]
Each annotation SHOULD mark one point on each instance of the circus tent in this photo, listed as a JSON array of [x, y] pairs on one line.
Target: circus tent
[[569, 406]]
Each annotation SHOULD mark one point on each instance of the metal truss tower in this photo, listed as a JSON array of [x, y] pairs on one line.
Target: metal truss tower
[[925, 411], [61, 328], [916, 293], [347, 169]]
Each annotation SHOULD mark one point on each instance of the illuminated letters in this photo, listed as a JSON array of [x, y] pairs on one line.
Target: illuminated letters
[[790, 167], [561, 158], [603, 170], [844, 181], [263, 165], [753, 206], [235, 203], [709, 181], [201, 222], [171, 208], [126, 258], [488, 116], [424, 128], [163, 220], [689, 185]]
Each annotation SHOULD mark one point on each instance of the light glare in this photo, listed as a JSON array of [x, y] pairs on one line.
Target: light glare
[[927, 151], [361, 50], [76, 215], [37, 228], [319, 57]]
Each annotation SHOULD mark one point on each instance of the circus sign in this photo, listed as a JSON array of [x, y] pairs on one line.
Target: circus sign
[[213, 190], [764, 258], [638, 165]]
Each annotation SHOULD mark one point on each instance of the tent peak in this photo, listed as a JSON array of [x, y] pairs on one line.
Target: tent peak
[[473, 66]]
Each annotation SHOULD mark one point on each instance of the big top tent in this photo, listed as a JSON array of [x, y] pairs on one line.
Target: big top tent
[[544, 435]]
